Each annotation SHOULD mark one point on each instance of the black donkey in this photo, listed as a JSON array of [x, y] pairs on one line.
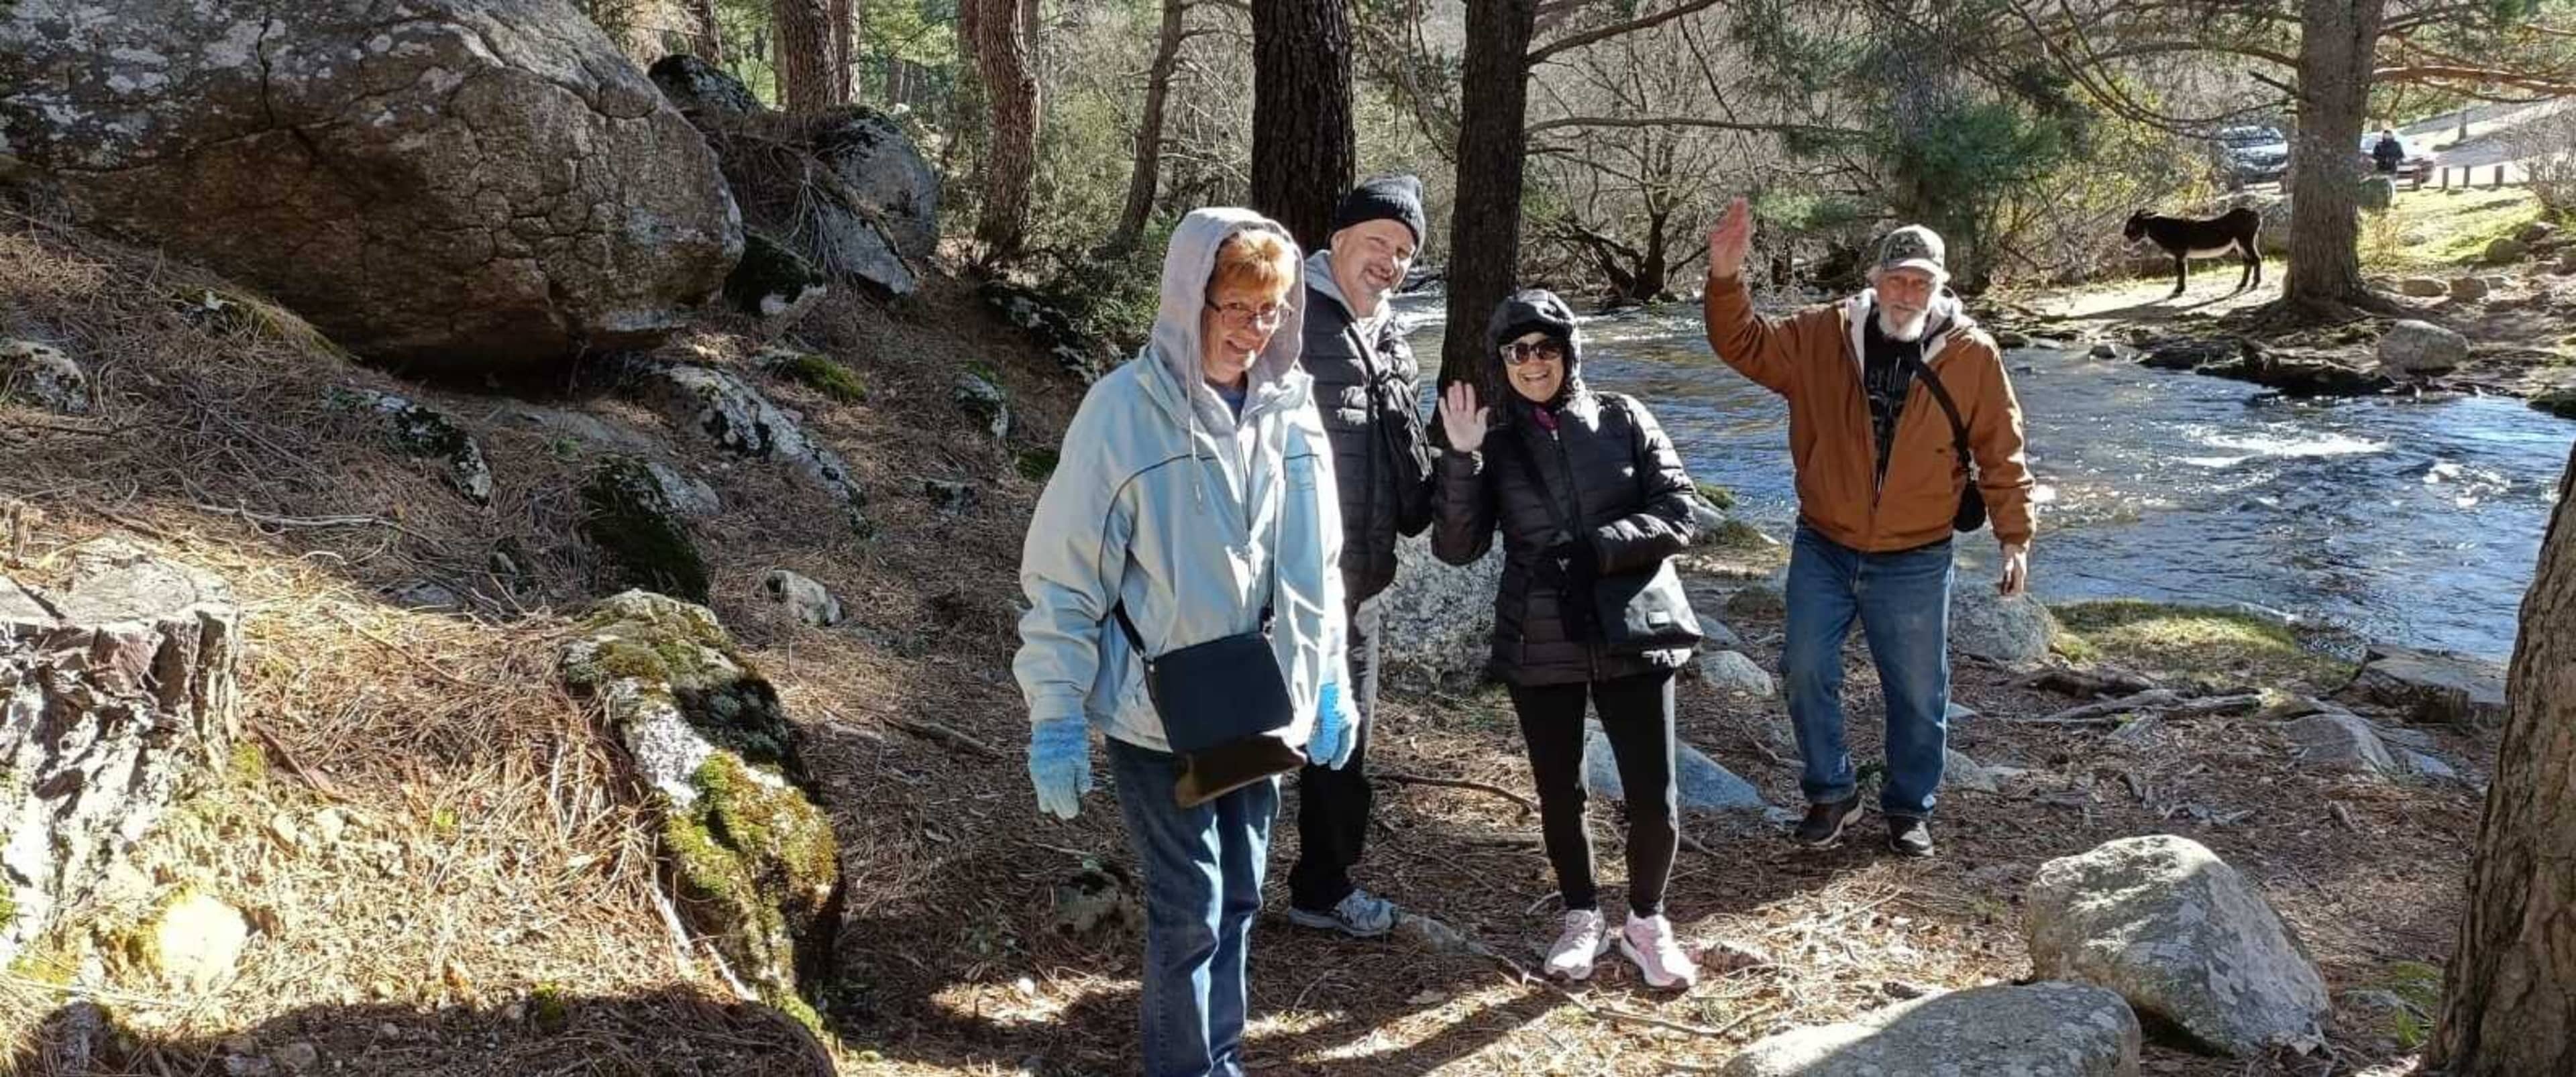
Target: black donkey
[[2186, 239]]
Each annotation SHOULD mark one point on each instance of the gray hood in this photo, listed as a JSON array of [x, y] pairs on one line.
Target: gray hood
[[1176, 339]]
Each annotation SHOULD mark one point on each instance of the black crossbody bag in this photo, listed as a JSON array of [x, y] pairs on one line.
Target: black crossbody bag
[[1221, 701], [1972, 501]]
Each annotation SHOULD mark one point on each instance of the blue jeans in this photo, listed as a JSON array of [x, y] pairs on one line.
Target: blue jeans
[[1202, 872], [1902, 601]]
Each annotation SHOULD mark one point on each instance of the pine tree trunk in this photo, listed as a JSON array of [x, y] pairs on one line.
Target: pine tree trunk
[[2509, 998], [996, 31], [706, 35], [1147, 174], [804, 55], [1303, 149], [844, 31], [1485, 224], [2338, 45]]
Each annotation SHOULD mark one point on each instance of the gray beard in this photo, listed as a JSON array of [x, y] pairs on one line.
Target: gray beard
[[1908, 331]]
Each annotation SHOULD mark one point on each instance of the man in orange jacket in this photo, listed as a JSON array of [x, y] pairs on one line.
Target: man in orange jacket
[[1882, 466]]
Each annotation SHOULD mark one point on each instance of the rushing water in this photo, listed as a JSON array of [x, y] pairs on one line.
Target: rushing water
[[2414, 522]]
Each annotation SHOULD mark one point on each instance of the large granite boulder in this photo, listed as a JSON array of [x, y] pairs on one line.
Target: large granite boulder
[[2186, 940], [442, 184], [1436, 621], [1699, 782], [2040, 1030], [2412, 347], [2010, 631], [114, 687]]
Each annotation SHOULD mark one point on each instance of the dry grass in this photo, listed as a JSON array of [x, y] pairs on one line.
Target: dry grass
[[489, 908]]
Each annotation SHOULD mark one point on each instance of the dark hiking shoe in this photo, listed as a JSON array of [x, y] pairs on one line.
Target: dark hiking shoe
[[1909, 837], [1825, 822]]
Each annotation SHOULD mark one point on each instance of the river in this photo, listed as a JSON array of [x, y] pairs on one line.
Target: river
[[2405, 521]]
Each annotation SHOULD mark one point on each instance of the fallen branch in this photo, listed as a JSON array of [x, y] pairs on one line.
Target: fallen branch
[[933, 731], [266, 519], [2234, 704], [2088, 684], [2152, 699], [1527, 806]]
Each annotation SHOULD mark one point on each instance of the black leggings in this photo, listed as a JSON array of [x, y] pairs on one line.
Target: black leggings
[[1637, 713]]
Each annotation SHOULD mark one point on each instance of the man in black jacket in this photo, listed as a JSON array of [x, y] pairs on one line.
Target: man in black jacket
[[1365, 384]]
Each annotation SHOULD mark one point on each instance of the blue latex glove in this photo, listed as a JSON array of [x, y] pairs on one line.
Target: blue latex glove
[[1336, 729], [1060, 765]]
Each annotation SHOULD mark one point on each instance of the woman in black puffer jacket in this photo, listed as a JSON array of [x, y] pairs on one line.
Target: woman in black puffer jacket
[[1590, 499]]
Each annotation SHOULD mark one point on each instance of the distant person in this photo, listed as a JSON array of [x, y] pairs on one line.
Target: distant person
[[1193, 505], [1881, 487], [1592, 503], [1365, 389], [2388, 153]]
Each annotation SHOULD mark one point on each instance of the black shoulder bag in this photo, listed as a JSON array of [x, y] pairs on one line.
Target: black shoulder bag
[[1632, 612], [1972, 501], [1222, 702]]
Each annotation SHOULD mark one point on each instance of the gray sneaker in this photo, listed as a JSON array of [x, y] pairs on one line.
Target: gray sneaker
[[1360, 915]]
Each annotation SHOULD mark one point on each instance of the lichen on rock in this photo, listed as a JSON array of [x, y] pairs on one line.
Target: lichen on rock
[[425, 433], [639, 532]]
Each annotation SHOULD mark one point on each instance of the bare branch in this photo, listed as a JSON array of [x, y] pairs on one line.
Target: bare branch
[[1692, 121], [1540, 54]]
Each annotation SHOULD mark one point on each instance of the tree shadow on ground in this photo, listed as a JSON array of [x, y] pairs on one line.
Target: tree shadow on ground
[[671, 1033]]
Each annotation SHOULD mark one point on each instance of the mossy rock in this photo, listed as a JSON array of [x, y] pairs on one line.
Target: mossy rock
[[1038, 465], [1735, 534], [815, 372], [772, 280], [2197, 640], [1718, 497], [758, 870], [639, 534], [2558, 402], [677, 652]]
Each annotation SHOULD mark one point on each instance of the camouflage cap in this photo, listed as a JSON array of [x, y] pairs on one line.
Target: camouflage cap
[[1911, 247]]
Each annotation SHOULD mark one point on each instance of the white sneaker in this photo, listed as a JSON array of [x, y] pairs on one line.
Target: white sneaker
[[1649, 942], [1579, 945]]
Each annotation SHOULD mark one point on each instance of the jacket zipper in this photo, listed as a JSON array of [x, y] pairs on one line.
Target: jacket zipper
[[1565, 464]]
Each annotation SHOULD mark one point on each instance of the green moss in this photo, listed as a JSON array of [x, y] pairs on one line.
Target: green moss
[[2558, 402], [2193, 639], [2419, 986], [819, 374], [1718, 497], [677, 649], [757, 864], [1037, 465], [638, 533], [550, 1008], [1735, 534], [8, 904], [247, 764]]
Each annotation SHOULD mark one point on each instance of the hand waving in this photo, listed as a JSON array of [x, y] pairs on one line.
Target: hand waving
[[1730, 240], [1460, 416]]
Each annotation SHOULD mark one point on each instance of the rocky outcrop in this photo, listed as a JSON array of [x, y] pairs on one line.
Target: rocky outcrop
[[2410, 348], [640, 538], [2041, 1030], [425, 433], [983, 402], [2186, 940], [2338, 741], [1700, 783], [114, 686], [753, 859], [1436, 621], [2430, 687], [41, 375], [742, 419], [468, 185], [847, 183], [1076, 352]]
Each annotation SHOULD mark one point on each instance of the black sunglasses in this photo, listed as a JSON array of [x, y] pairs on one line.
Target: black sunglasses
[[1517, 353]]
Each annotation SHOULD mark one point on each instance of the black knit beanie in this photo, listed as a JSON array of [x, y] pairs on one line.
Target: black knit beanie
[[1386, 198]]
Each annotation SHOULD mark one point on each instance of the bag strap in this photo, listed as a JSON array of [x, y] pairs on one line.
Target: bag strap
[[1941, 396], [1270, 598]]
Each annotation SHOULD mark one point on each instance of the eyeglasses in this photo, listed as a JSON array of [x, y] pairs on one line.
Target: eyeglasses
[[1517, 353], [1240, 315]]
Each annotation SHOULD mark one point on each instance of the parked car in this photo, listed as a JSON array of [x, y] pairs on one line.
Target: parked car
[[2418, 159], [2254, 153]]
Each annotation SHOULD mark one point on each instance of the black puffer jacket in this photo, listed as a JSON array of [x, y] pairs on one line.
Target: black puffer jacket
[[1365, 389], [1607, 454]]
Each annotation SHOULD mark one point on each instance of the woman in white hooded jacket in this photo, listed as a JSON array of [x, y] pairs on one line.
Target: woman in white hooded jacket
[[1194, 489]]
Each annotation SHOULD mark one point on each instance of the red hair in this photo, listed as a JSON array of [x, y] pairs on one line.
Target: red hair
[[1257, 260]]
